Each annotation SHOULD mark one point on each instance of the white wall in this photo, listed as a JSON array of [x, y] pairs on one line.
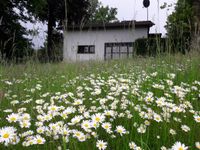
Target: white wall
[[97, 38]]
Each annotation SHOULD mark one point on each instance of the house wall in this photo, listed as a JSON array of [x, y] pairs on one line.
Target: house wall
[[97, 38]]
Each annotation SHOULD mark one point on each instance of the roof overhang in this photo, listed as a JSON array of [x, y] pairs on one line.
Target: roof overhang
[[111, 26]]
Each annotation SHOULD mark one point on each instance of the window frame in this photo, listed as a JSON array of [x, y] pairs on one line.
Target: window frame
[[81, 49], [118, 45]]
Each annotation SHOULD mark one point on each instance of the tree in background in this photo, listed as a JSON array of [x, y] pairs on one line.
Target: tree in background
[[196, 7], [196, 29], [181, 23], [78, 12], [13, 43], [50, 12], [100, 13], [53, 13]]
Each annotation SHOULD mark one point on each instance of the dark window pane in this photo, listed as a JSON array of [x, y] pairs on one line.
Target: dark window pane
[[86, 49], [80, 49]]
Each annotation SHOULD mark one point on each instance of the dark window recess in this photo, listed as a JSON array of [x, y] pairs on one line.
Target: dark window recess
[[86, 49]]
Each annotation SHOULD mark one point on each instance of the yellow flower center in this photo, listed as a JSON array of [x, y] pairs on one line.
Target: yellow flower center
[[180, 148], [26, 118], [25, 124], [97, 119], [6, 135], [100, 145], [13, 119], [78, 134], [119, 130], [86, 125], [198, 119], [39, 141], [53, 108], [82, 138], [65, 132]]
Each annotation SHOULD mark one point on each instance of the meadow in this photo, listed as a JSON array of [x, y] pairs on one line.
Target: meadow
[[139, 104]]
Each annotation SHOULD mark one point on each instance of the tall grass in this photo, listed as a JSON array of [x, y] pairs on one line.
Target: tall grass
[[21, 86]]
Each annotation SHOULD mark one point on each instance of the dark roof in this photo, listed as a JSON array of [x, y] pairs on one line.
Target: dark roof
[[113, 25]]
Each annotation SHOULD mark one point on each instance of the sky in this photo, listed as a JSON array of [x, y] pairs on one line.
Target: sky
[[134, 10], [127, 10]]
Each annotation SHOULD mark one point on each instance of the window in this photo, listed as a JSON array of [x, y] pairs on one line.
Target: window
[[86, 49], [118, 50]]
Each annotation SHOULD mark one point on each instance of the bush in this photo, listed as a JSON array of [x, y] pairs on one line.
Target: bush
[[150, 46], [154, 46]]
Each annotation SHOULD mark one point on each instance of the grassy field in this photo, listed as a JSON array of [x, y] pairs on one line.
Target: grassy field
[[144, 103]]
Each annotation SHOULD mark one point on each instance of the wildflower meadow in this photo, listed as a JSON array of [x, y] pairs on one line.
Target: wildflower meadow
[[138, 104]]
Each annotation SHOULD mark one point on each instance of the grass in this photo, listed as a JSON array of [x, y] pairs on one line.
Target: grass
[[150, 97]]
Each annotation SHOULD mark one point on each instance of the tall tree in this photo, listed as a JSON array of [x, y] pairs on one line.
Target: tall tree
[[100, 13], [53, 12], [196, 7], [180, 24], [196, 29], [13, 43]]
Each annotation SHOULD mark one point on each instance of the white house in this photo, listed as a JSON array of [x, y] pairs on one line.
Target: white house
[[103, 41]]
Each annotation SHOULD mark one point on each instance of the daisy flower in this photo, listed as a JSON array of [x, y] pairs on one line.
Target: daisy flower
[[197, 119], [197, 144], [179, 146], [86, 125], [121, 130], [98, 117], [101, 145], [25, 124], [185, 128], [132, 145], [39, 140], [13, 117], [8, 135], [106, 126]]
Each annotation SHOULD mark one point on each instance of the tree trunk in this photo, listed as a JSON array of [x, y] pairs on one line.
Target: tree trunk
[[196, 28], [50, 33]]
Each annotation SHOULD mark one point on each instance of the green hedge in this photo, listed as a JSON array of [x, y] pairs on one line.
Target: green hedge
[[154, 46]]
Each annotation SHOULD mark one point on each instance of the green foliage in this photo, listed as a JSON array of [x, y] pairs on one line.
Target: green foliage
[[150, 46], [54, 13], [122, 83], [103, 13], [180, 23], [13, 43]]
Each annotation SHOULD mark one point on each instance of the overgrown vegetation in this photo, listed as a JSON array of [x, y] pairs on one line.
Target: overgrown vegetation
[[150, 103]]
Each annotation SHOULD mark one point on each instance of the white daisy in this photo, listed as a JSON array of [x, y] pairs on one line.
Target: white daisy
[[121, 130], [197, 119], [39, 140], [98, 117], [185, 128], [197, 144], [13, 117], [107, 126], [101, 145], [8, 135], [179, 146]]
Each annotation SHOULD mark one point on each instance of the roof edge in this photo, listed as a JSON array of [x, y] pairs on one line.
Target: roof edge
[[112, 25]]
